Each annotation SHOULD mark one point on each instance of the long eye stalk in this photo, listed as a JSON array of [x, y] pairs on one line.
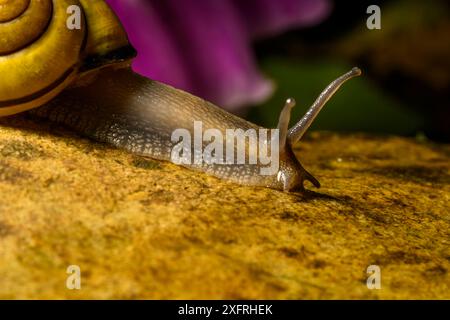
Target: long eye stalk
[[299, 129]]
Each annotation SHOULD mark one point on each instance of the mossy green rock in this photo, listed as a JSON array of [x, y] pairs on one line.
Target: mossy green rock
[[138, 228]]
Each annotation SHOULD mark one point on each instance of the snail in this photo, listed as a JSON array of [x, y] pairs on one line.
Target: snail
[[81, 78]]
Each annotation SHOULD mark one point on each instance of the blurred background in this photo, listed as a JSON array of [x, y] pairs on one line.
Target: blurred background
[[249, 56]]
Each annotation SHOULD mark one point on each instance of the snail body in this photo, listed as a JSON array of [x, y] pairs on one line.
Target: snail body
[[89, 87]]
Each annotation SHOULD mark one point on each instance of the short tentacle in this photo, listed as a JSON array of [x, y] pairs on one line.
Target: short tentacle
[[283, 122]]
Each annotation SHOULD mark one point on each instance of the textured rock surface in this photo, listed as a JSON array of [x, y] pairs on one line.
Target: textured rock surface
[[144, 229]]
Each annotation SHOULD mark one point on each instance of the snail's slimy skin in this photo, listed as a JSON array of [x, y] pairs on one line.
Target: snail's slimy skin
[[140, 115], [82, 79]]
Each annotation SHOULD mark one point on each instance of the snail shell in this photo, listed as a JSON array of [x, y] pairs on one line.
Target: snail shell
[[81, 78], [40, 56]]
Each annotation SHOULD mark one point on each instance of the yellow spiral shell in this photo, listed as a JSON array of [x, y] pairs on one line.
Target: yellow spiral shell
[[40, 55]]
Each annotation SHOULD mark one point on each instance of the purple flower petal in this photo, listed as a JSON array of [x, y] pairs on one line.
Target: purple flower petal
[[267, 17], [204, 46], [158, 57], [219, 55]]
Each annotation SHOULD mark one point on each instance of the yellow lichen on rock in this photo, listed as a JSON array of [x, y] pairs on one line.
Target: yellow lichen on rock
[[139, 228]]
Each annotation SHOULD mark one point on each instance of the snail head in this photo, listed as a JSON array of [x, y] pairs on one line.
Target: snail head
[[291, 174]]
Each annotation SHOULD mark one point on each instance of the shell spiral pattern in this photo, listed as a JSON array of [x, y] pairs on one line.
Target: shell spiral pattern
[[39, 55]]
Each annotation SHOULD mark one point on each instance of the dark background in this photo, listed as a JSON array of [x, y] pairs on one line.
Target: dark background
[[406, 69]]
